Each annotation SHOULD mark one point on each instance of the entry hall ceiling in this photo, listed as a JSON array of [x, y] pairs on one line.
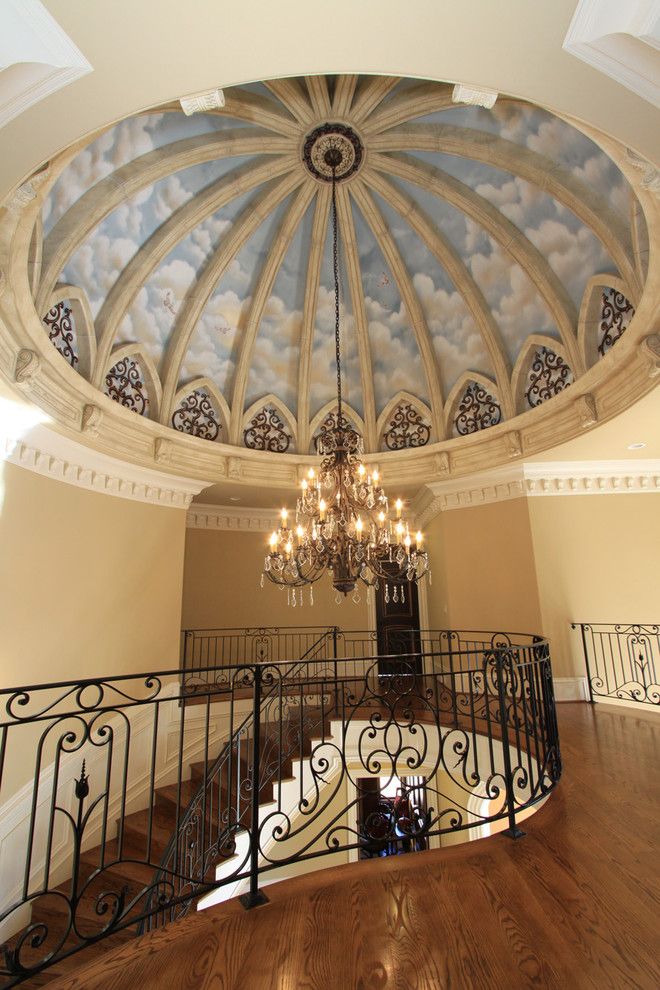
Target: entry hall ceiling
[[487, 258]]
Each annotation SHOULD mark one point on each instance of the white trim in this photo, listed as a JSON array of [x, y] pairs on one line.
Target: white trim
[[570, 688], [227, 517], [531, 480], [51, 454], [31, 38], [620, 39]]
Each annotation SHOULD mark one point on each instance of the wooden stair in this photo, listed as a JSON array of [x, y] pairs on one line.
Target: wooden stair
[[148, 850]]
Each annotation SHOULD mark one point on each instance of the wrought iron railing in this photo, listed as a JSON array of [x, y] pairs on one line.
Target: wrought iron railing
[[131, 800], [622, 661]]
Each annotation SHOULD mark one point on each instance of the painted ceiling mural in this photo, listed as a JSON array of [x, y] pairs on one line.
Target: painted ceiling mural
[[468, 239]]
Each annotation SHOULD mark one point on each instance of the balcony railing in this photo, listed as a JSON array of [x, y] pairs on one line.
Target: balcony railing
[[622, 661], [128, 800]]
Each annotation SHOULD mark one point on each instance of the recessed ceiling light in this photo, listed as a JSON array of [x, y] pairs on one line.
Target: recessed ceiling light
[[636, 446], [234, 498]]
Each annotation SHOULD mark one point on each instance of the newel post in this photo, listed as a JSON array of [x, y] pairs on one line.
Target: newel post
[[502, 658], [254, 897]]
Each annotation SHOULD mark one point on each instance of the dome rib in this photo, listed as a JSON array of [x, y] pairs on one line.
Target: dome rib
[[255, 109], [409, 297], [101, 199], [460, 275], [371, 95], [418, 101], [590, 207], [319, 96], [315, 260], [267, 200], [356, 289], [501, 229], [266, 279], [343, 97], [122, 294], [291, 95]]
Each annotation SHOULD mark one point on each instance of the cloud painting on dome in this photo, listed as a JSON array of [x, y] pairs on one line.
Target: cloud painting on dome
[[462, 253]]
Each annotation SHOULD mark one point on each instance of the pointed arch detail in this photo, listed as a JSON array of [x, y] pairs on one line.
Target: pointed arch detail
[[604, 316], [330, 408], [542, 370], [194, 417], [268, 424], [76, 300], [473, 404], [405, 421], [120, 381]]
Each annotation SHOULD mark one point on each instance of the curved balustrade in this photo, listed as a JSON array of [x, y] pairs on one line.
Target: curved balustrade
[[141, 799]]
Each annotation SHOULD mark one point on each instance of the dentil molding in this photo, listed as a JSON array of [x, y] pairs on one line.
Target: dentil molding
[[50, 454], [226, 517], [532, 480]]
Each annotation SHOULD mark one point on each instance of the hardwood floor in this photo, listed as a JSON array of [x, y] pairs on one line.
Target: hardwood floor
[[575, 904]]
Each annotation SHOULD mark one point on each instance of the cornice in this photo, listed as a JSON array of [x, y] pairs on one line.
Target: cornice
[[532, 480], [224, 517], [47, 453]]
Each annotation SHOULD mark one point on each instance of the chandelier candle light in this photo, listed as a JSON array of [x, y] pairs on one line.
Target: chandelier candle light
[[342, 521]]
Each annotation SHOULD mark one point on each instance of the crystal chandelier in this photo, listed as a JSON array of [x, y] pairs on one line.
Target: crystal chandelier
[[342, 521]]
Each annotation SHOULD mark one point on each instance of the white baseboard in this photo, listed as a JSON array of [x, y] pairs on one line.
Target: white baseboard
[[571, 689]]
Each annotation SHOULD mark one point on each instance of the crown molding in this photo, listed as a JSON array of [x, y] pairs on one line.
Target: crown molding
[[537, 479], [48, 453], [226, 517]]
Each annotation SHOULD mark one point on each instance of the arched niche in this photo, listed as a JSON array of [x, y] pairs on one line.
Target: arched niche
[[269, 425], [541, 372], [405, 422], [321, 422], [75, 299], [605, 314], [141, 390], [200, 410], [473, 404]]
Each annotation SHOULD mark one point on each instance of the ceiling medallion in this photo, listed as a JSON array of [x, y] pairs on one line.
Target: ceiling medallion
[[332, 138], [343, 522]]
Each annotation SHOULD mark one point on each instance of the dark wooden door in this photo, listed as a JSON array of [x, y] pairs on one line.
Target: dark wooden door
[[397, 628]]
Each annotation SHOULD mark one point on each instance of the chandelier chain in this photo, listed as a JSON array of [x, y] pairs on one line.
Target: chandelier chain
[[335, 268]]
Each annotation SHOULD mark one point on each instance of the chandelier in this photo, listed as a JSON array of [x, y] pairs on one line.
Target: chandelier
[[343, 523]]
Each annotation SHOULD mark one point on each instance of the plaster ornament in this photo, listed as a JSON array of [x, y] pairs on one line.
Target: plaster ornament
[[513, 443], [212, 99], [91, 419], [650, 350], [443, 462], [651, 175], [234, 468], [27, 365], [474, 97], [27, 191], [163, 450], [587, 411]]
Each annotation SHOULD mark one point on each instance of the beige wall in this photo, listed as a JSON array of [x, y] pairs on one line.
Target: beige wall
[[597, 560], [89, 583], [483, 569], [221, 588]]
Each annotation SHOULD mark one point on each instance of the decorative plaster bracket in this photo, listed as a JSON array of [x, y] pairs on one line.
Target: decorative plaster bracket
[[650, 350], [587, 411], [27, 365]]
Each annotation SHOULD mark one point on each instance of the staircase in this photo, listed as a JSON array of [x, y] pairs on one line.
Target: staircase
[[215, 795]]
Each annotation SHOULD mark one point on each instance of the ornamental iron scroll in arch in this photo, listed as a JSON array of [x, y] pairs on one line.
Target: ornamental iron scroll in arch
[[197, 416], [405, 426], [615, 315], [477, 409], [61, 328], [548, 376], [267, 430], [125, 383]]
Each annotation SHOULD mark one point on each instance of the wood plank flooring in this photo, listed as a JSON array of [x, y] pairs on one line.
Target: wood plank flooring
[[575, 904]]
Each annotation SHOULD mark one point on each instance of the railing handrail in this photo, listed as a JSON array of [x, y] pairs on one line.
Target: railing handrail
[[145, 676]]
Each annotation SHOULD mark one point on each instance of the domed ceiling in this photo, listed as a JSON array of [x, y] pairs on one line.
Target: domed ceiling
[[487, 259]]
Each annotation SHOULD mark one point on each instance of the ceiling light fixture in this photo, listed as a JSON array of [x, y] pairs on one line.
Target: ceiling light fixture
[[639, 445], [342, 520]]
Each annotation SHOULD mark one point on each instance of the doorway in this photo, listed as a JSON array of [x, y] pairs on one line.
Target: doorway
[[397, 628]]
